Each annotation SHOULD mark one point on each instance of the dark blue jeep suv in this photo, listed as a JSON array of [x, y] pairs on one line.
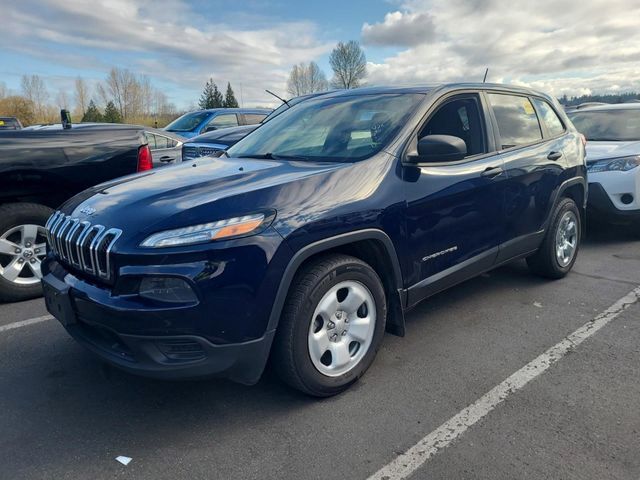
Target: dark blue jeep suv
[[315, 233]]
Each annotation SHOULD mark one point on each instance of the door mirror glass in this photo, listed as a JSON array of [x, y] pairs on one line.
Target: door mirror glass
[[439, 148]]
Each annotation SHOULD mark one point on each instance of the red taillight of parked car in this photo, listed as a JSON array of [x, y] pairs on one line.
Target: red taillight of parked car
[[145, 161]]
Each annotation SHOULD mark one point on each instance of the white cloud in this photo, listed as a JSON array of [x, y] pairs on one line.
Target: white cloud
[[400, 28], [164, 39], [555, 45]]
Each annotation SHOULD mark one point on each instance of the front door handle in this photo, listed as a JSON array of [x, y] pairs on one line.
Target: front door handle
[[492, 172], [554, 156]]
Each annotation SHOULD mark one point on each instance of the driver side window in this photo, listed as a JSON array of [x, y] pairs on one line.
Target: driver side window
[[459, 117]]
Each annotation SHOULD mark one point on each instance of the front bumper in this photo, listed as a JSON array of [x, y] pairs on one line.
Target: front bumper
[[120, 332], [600, 205]]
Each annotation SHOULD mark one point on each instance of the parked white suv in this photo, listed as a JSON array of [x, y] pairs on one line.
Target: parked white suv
[[613, 160]]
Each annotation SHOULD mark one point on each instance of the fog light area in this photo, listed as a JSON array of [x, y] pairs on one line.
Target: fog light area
[[167, 289]]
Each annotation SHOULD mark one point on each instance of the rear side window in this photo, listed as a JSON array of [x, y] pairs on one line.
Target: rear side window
[[549, 117], [151, 139], [253, 118], [517, 120], [224, 120]]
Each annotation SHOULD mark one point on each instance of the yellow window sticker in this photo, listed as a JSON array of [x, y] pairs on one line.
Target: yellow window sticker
[[528, 108], [1, 122]]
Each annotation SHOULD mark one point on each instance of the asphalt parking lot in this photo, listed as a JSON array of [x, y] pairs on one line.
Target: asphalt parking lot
[[64, 415]]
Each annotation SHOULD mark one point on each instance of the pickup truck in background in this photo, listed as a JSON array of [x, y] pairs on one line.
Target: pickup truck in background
[[10, 123], [39, 170]]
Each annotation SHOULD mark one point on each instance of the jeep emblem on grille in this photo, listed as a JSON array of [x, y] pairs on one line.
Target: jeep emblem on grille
[[88, 211]]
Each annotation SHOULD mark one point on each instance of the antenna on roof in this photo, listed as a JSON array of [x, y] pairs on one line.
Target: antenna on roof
[[484, 80], [279, 98]]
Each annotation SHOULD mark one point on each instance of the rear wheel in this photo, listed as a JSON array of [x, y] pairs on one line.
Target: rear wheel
[[22, 248], [559, 249], [331, 327]]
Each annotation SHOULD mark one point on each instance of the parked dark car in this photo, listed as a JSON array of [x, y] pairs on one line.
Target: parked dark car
[[10, 123], [316, 233], [201, 121], [40, 169], [211, 143]]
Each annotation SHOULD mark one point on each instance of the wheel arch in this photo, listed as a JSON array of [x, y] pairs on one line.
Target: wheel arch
[[576, 189], [372, 246]]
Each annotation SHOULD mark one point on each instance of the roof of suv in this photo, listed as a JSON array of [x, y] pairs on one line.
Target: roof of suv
[[441, 87]]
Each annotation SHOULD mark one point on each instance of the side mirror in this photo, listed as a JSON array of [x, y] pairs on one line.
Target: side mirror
[[439, 148], [209, 128]]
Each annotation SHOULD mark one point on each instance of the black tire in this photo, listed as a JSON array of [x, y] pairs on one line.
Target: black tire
[[291, 357], [13, 215], [545, 262]]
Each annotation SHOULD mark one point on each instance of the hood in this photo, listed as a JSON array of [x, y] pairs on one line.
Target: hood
[[603, 150], [192, 193], [228, 136]]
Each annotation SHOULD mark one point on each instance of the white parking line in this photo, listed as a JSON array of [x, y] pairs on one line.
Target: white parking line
[[407, 463], [24, 323]]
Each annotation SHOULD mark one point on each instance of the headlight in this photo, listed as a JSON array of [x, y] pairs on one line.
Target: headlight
[[621, 164], [205, 232]]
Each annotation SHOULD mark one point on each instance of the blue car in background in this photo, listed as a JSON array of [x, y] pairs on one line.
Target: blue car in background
[[202, 121], [211, 143]]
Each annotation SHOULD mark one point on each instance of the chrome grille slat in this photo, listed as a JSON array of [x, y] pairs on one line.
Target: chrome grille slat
[[85, 228], [92, 246], [59, 240], [82, 245]]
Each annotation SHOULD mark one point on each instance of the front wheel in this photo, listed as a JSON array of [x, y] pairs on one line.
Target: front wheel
[[559, 249], [332, 325]]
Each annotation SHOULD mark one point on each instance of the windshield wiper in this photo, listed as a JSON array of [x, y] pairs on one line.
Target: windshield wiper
[[263, 156], [277, 156]]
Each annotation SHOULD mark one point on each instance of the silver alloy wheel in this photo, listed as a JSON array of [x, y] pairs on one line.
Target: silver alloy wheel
[[22, 248], [342, 328], [567, 238]]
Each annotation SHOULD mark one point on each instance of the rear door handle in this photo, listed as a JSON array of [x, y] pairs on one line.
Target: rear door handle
[[554, 156], [166, 159], [492, 172]]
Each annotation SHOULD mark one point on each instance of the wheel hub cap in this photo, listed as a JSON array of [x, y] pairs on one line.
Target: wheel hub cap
[[567, 239], [22, 248], [342, 328]]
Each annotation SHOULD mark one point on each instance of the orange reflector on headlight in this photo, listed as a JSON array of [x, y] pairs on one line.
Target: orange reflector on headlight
[[237, 229]]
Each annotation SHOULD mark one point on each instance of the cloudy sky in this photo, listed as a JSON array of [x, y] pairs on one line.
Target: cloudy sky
[[558, 46]]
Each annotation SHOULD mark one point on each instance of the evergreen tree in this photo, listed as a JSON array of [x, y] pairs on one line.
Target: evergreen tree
[[111, 113], [218, 99], [211, 96], [92, 114], [206, 99], [230, 98]]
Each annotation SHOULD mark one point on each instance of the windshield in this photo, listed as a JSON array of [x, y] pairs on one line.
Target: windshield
[[187, 122], [608, 125], [345, 128]]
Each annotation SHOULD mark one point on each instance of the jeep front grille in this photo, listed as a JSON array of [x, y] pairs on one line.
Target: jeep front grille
[[82, 245]]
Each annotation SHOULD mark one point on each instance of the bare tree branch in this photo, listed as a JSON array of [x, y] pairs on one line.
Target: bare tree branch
[[349, 65]]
